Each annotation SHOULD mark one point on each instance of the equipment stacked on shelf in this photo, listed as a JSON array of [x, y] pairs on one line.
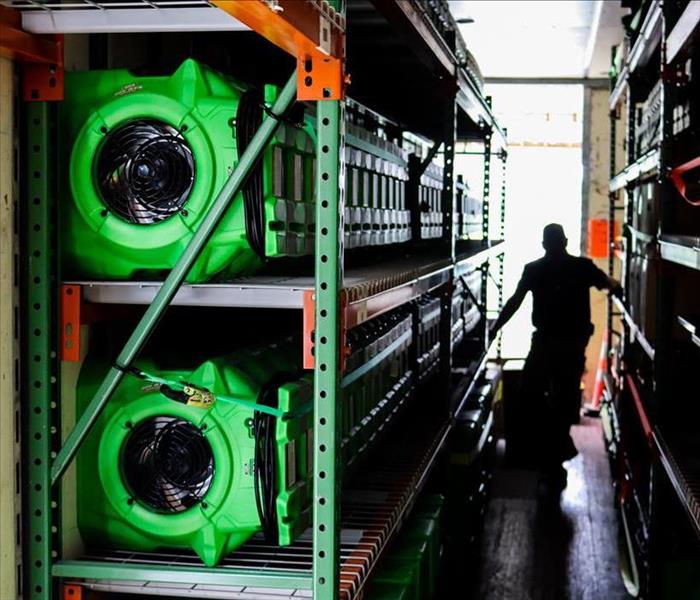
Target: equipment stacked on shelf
[[204, 458], [466, 309], [620, 53], [468, 63], [441, 18], [427, 315], [430, 207], [684, 112], [411, 569], [199, 458], [376, 211], [471, 457], [468, 216], [426, 188], [645, 207], [653, 359], [149, 155], [641, 282], [632, 474], [648, 127], [378, 379]]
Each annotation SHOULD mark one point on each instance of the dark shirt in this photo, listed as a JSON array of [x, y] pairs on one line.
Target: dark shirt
[[561, 305]]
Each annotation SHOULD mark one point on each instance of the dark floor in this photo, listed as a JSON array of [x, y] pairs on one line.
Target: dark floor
[[532, 551]]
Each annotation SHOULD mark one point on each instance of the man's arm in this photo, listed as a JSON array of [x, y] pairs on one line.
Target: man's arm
[[509, 309], [603, 281]]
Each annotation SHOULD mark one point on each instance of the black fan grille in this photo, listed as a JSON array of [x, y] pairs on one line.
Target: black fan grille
[[168, 464], [145, 171]]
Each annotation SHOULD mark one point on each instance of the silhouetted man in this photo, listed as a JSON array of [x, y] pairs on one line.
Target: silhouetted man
[[561, 315]]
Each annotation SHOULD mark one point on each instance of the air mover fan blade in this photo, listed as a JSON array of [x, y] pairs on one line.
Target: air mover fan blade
[[145, 171], [168, 464]]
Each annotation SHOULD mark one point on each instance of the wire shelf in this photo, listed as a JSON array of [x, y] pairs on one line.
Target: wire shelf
[[58, 5], [121, 16], [373, 508]]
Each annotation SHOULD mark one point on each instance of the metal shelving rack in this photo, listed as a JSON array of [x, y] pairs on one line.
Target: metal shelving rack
[[326, 562], [644, 398]]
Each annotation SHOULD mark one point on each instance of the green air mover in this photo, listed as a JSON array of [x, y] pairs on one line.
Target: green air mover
[[144, 160], [165, 467], [410, 570]]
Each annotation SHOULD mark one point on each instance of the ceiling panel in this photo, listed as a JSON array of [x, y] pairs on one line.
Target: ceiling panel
[[540, 38]]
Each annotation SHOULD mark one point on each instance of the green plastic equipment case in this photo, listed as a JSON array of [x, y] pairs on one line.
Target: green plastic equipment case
[[144, 157], [410, 571], [158, 471]]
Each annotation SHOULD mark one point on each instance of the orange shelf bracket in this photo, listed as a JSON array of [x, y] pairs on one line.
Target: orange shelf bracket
[[72, 592], [312, 32], [42, 82], [70, 323], [309, 326], [41, 55]]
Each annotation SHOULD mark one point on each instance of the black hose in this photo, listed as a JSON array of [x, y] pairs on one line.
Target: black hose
[[248, 121]]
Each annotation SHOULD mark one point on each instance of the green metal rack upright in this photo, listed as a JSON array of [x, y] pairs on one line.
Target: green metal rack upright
[[328, 345], [41, 311]]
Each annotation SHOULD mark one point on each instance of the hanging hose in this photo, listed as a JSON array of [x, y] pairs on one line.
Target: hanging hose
[[248, 121]]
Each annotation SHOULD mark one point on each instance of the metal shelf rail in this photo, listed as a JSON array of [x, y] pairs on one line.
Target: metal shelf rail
[[691, 326], [636, 332], [645, 165], [322, 564], [683, 31], [682, 478], [366, 292], [682, 250]]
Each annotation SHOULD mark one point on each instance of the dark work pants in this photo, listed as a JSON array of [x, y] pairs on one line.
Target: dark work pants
[[551, 389]]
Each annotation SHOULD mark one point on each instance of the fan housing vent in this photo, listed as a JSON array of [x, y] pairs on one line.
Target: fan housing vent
[[167, 464], [145, 171]]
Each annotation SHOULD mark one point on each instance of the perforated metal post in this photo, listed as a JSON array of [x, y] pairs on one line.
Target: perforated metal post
[[501, 236], [330, 204], [38, 385], [612, 196], [668, 389], [486, 222], [448, 209]]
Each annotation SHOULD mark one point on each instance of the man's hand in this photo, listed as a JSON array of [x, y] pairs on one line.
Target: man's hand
[[615, 287], [509, 309]]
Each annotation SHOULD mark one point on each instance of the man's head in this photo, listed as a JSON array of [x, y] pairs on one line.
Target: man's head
[[553, 239]]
